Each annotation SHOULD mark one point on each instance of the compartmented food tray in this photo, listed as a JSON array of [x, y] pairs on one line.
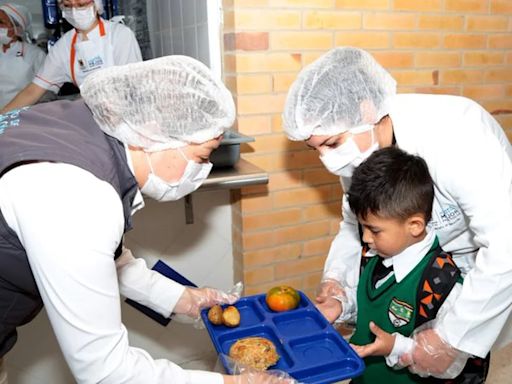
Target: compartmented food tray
[[310, 349]]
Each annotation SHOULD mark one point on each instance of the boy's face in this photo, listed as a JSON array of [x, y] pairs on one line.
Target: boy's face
[[388, 237]]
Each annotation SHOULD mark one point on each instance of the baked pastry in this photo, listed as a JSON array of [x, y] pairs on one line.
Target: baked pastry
[[256, 352]]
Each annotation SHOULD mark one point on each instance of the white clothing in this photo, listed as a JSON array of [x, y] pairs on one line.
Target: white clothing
[[117, 47], [79, 280], [18, 66], [470, 161]]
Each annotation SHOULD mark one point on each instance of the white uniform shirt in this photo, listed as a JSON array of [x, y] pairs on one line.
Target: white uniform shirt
[[119, 42], [70, 228], [470, 161], [18, 66]]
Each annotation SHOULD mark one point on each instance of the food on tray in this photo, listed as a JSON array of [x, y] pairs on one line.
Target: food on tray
[[231, 317], [256, 352], [215, 315], [282, 298]]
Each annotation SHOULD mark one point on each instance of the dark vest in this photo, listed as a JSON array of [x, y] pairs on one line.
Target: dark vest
[[65, 132]]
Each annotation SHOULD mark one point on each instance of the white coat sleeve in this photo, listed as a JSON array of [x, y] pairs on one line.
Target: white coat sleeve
[[70, 225], [55, 70], [344, 257], [147, 287], [126, 47], [478, 176]]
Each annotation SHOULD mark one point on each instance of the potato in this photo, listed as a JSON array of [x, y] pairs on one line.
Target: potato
[[231, 317], [215, 315]]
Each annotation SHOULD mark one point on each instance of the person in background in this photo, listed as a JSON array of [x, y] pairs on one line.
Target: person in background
[[391, 194], [72, 175], [20, 60], [93, 44], [345, 106]]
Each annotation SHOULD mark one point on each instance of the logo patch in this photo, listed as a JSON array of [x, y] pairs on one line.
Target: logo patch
[[399, 312]]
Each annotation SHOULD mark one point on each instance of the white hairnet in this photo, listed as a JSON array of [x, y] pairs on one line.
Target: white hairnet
[[20, 17], [160, 103], [342, 89], [97, 3]]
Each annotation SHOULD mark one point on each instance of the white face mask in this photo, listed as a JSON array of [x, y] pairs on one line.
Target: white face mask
[[193, 176], [344, 159], [4, 39], [80, 18]]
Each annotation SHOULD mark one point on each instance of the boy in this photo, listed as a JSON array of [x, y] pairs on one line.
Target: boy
[[409, 281]]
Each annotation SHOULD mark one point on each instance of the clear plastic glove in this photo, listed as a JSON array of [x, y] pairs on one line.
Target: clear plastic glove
[[247, 375], [329, 298], [193, 300], [433, 356]]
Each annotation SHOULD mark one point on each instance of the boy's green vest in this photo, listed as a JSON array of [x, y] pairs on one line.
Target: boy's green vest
[[400, 307]]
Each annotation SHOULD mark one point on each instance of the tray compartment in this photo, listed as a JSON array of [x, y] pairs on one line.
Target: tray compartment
[[226, 340], [299, 323], [343, 369]]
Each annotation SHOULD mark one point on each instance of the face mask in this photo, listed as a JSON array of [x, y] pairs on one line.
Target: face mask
[[344, 159], [4, 39], [193, 176], [80, 18]]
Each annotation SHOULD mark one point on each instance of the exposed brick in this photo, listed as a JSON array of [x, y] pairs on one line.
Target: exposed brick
[[497, 107], [317, 246], [501, 6], [285, 180], [302, 196], [389, 21], [277, 123], [460, 76], [483, 58], [312, 280], [267, 19], [298, 267], [466, 5], [250, 3], [332, 20], [493, 23], [272, 255], [506, 123], [467, 41], [365, 40], [417, 77], [272, 62], [302, 3], [263, 288], [274, 143], [323, 211], [434, 90], [256, 104], [258, 276], [416, 40], [248, 84], [278, 161], [256, 204], [395, 59], [441, 22], [246, 41], [319, 176], [421, 5], [498, 75], [258, 240], [363, 4], [484, 91], [500, 41], [281, 82], [273, 219], [303, 232], [438, 59], [301, 40], [254, 125]]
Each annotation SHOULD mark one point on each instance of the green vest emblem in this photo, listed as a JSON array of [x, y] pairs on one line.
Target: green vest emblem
[[399, 312]]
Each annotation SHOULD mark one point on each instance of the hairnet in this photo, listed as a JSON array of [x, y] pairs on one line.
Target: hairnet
[[97, 3], [342, 89], [20, 17], [160, 103]]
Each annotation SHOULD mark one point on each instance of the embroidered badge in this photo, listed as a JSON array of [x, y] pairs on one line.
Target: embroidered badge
[[399, 312]]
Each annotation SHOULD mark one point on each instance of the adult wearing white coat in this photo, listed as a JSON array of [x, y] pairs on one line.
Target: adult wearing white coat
[[93, 44], [345, 106], [20, 60], [72, 175]]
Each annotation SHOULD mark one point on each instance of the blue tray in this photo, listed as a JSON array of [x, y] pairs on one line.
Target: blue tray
[[310, 349]]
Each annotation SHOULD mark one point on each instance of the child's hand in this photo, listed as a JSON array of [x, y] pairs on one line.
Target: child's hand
[[382, 346], [329, 307]]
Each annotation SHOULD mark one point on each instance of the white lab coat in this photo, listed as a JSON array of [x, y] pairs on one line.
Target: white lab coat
[[18, 66], [117, 46], [470, 160]]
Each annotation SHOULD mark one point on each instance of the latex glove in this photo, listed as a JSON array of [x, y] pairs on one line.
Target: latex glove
[[329, 298], [247, 375], [193, 300], [382, 346], [433, 356]]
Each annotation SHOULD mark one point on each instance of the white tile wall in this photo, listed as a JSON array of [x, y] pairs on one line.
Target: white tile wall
[[201, 252]]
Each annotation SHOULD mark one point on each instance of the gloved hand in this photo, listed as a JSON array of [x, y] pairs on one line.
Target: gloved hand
[[247, 375], [329, 297], [433, 356], [193, 300]]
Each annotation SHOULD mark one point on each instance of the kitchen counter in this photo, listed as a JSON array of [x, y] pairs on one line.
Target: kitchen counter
[[242, 174]]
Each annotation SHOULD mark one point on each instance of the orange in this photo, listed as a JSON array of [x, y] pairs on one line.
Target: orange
[[282, 298]]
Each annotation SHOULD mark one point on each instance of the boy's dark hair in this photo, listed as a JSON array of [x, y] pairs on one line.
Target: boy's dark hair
[[392, 184]]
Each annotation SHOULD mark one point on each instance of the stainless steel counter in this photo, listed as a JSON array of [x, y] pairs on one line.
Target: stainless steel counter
[[241, 175]]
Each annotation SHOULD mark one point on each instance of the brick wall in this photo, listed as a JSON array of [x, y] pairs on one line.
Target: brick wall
[[282, 231]]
